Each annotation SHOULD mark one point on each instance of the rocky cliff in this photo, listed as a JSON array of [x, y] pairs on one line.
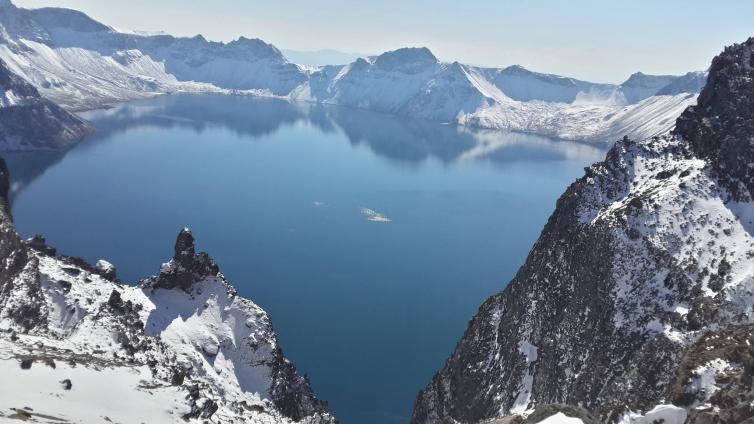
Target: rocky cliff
[[28, 121], [79, 346], [640, 291]]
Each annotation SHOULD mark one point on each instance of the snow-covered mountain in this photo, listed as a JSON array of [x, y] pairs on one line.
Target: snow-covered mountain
[[28, 121], [636, 303], [79, 346], [412, 82], [82, 64]]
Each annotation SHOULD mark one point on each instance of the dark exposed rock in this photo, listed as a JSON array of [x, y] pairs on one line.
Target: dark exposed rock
[[26, 363], [291, 393], [34, 122], [115, 302], [72, 271], [66, 384], [186, 266], [39, 243], [515, 419], [178, 377], [721, 126], [731, 401], [21, 415], [65, 285], [15, 259], [208, 408]]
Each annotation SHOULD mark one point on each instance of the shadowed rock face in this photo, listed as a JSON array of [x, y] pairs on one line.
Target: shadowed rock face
[[721, 126], [614, 308], [19, 301], [30, 122]]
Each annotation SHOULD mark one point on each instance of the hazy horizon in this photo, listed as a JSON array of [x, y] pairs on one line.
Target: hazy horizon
[[587, 40]]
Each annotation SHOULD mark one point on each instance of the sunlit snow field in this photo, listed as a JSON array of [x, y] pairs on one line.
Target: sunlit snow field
[[370, 239]]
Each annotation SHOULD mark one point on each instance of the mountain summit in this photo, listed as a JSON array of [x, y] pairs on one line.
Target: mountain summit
[[720, 127], [408, 60]]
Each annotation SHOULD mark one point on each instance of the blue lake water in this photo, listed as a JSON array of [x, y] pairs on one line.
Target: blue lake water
[[276, 193]]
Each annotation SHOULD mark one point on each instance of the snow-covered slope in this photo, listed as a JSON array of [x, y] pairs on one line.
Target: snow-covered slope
[[524, 85], [28, 121], [640, 289], [79, 346], [413, 82]]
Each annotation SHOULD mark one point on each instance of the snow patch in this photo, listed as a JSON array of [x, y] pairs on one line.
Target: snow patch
[[561, 418], [666, 414], [528, 350]]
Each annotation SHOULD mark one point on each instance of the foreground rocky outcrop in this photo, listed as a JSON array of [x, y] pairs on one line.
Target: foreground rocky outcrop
[[79, 346], [640, 290], [30, 122]]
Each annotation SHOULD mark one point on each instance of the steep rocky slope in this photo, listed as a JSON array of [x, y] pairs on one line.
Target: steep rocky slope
[[79, 346], [640, 290], [28, 121]]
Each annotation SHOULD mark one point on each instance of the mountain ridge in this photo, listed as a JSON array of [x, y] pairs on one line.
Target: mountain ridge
[[44, 46]]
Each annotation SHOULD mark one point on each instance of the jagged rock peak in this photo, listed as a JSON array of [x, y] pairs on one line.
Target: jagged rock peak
[[185, 250], [186, 267], [721, 126], [4, 181]]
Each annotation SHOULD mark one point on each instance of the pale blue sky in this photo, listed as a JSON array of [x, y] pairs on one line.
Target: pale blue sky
[[601, 41]]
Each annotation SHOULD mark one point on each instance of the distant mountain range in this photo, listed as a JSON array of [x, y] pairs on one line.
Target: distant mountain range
[[80, 63]]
